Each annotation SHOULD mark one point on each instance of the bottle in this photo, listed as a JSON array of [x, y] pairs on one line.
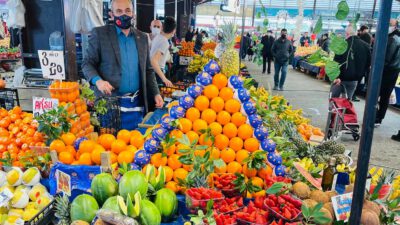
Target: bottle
[[328, 175]]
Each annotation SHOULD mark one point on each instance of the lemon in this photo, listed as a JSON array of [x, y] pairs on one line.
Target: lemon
[[29, 214], [31, 176], [37, 191], [14, 176], [20, 199], [43, 201]]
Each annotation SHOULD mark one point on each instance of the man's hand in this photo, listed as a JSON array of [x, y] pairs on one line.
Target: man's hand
[[168, 83], [159, 101], [104, 87], [337, 81]]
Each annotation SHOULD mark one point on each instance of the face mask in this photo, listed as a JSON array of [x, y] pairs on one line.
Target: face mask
[[391, 29], [155, 30], [283, 36], [123, 22]]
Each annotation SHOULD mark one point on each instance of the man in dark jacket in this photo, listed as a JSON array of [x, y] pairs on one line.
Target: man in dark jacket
[[189, 34], [305, 39], [365, 35], [390, 71], [199, 41], [267, 41], [355, 61], [281, 50]]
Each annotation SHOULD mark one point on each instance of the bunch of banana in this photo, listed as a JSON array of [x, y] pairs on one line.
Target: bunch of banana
[[209, 54], [296, 116], [376, 174], [198, 62], [396, 188], [309, 165]]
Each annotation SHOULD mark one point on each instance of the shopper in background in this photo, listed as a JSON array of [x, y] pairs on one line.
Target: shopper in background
[[159, 51], [250, 51], [390, 71], [117, 63], [365, 35], [281, 50], [189, 34], [324, 43], [267, 41], [244, 45], [305, 39], [354, 63], [199, 41]]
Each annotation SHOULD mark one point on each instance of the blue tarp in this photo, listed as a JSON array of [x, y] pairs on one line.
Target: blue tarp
[[305, 65], [296, 60]]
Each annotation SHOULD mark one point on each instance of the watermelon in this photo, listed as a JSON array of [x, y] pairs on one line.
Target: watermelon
[[149, 214], [112, 204], [103, 187], [167, 204], [84, 207], [132, 182]]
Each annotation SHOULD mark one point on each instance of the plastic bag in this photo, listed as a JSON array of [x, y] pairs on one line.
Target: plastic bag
[[16, 14], [76, 9], [393, 99]]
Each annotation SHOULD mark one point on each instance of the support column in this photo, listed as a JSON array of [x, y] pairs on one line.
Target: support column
[[144, 14]]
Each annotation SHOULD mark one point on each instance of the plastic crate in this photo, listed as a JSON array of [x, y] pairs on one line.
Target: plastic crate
[[9, 98], [45, 216]]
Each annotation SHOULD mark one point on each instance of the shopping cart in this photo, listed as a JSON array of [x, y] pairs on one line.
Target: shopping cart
[[342, 117]]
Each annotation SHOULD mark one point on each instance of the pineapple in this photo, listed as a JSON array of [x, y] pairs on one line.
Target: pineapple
[[62, 210], [230, 58]]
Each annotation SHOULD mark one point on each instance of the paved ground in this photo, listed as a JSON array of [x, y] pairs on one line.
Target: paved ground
[[305, 91]]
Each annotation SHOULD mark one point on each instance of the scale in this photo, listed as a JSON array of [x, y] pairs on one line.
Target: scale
[[34, 78]]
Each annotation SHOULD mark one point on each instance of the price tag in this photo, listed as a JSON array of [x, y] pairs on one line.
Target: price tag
[[52, 64], [41, 105], [63, 182], [5, 197]]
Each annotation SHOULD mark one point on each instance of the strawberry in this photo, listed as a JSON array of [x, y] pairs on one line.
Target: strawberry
[[287, 214], [258, 202]]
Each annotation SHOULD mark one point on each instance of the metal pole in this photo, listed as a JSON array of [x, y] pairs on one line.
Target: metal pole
[[254, 13], [176, 9], [241, 37], [374, 83], [314, 8], [373, 10]]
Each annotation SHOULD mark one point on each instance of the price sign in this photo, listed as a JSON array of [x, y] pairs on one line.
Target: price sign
[[52, 64], [41, 105], [63, 182], [342, 206]]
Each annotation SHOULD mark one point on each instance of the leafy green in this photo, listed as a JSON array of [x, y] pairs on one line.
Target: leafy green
[[256, 160], [338, 45], [342, 10], [244, 185], [279, 188], [315, 57], [332, 70], [258, 15], [318, 26], [313, 215], [265, 22]]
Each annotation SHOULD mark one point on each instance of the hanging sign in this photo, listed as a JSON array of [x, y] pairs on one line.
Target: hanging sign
[[41, 105], [52, 64]]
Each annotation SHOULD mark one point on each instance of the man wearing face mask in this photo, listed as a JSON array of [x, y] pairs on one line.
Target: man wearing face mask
[[281, 50], [155, 28], [160, 49], [390, 70], [117, 63], [267, 42]]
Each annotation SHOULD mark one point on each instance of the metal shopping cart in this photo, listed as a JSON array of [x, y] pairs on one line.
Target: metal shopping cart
[[342, 117]]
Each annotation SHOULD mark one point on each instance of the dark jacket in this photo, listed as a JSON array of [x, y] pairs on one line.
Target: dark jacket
[[304, 39], [358, 55], [198, 42], [103, 58], [392, 58], [267, 42], [367, 38], [325, 44], [281, 50], [189, 36]]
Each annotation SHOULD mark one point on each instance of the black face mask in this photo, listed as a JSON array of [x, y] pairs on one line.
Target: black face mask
[[123, 22], [283, 36]]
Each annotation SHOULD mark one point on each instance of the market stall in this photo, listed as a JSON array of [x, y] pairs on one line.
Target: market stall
[[302, 63]]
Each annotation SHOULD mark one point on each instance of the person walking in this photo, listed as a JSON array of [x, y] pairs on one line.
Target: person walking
[[390, 70], [244, 45], [324, 43], [267, 41], [354, 62], [281, 50]]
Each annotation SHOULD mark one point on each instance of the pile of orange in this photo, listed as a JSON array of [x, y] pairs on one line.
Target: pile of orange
[[209, 45], [18, 132], [216, 109], [64, 91], [307, 130], [187, 49], [122, 148]]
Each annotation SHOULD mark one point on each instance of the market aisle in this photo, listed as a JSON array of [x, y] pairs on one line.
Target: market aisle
[[306, 92]]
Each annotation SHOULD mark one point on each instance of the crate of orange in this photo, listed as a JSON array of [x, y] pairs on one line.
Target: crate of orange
[[208, 45], [64, 91]]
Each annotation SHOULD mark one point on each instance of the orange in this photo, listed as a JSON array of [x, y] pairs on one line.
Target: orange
[[236, 144], [87, 146], [232, 106], [220, 80], [245, 131], [234, 167], [223, 117], [106, 140], [216, 128], [180, 147], [228, 155], [249, 172], [257, 181], [192, 114], [85, 159], [69, 149], [135, 132], [170, 150], [185, 125], [180, 174], [221, 141], [265, 172], [230, 130], [173, 162], [209, 116], [173, 186], [238, 119], [199, 125], [158, 160], [202, 103], [215, 153], [96, 155], [261, 193], [68, 138], [211, 91], [192, 136], [131, 148], [251, 144], [217, 104], [66, 157], [226, 93], [114, 157], [241, 155], [176, 134], [169, 173], [57, 145], [126, 157], [221, 169], [187, 167], [203, 141], [124, 135], [118, 146], [199, 153], [137, 140]]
